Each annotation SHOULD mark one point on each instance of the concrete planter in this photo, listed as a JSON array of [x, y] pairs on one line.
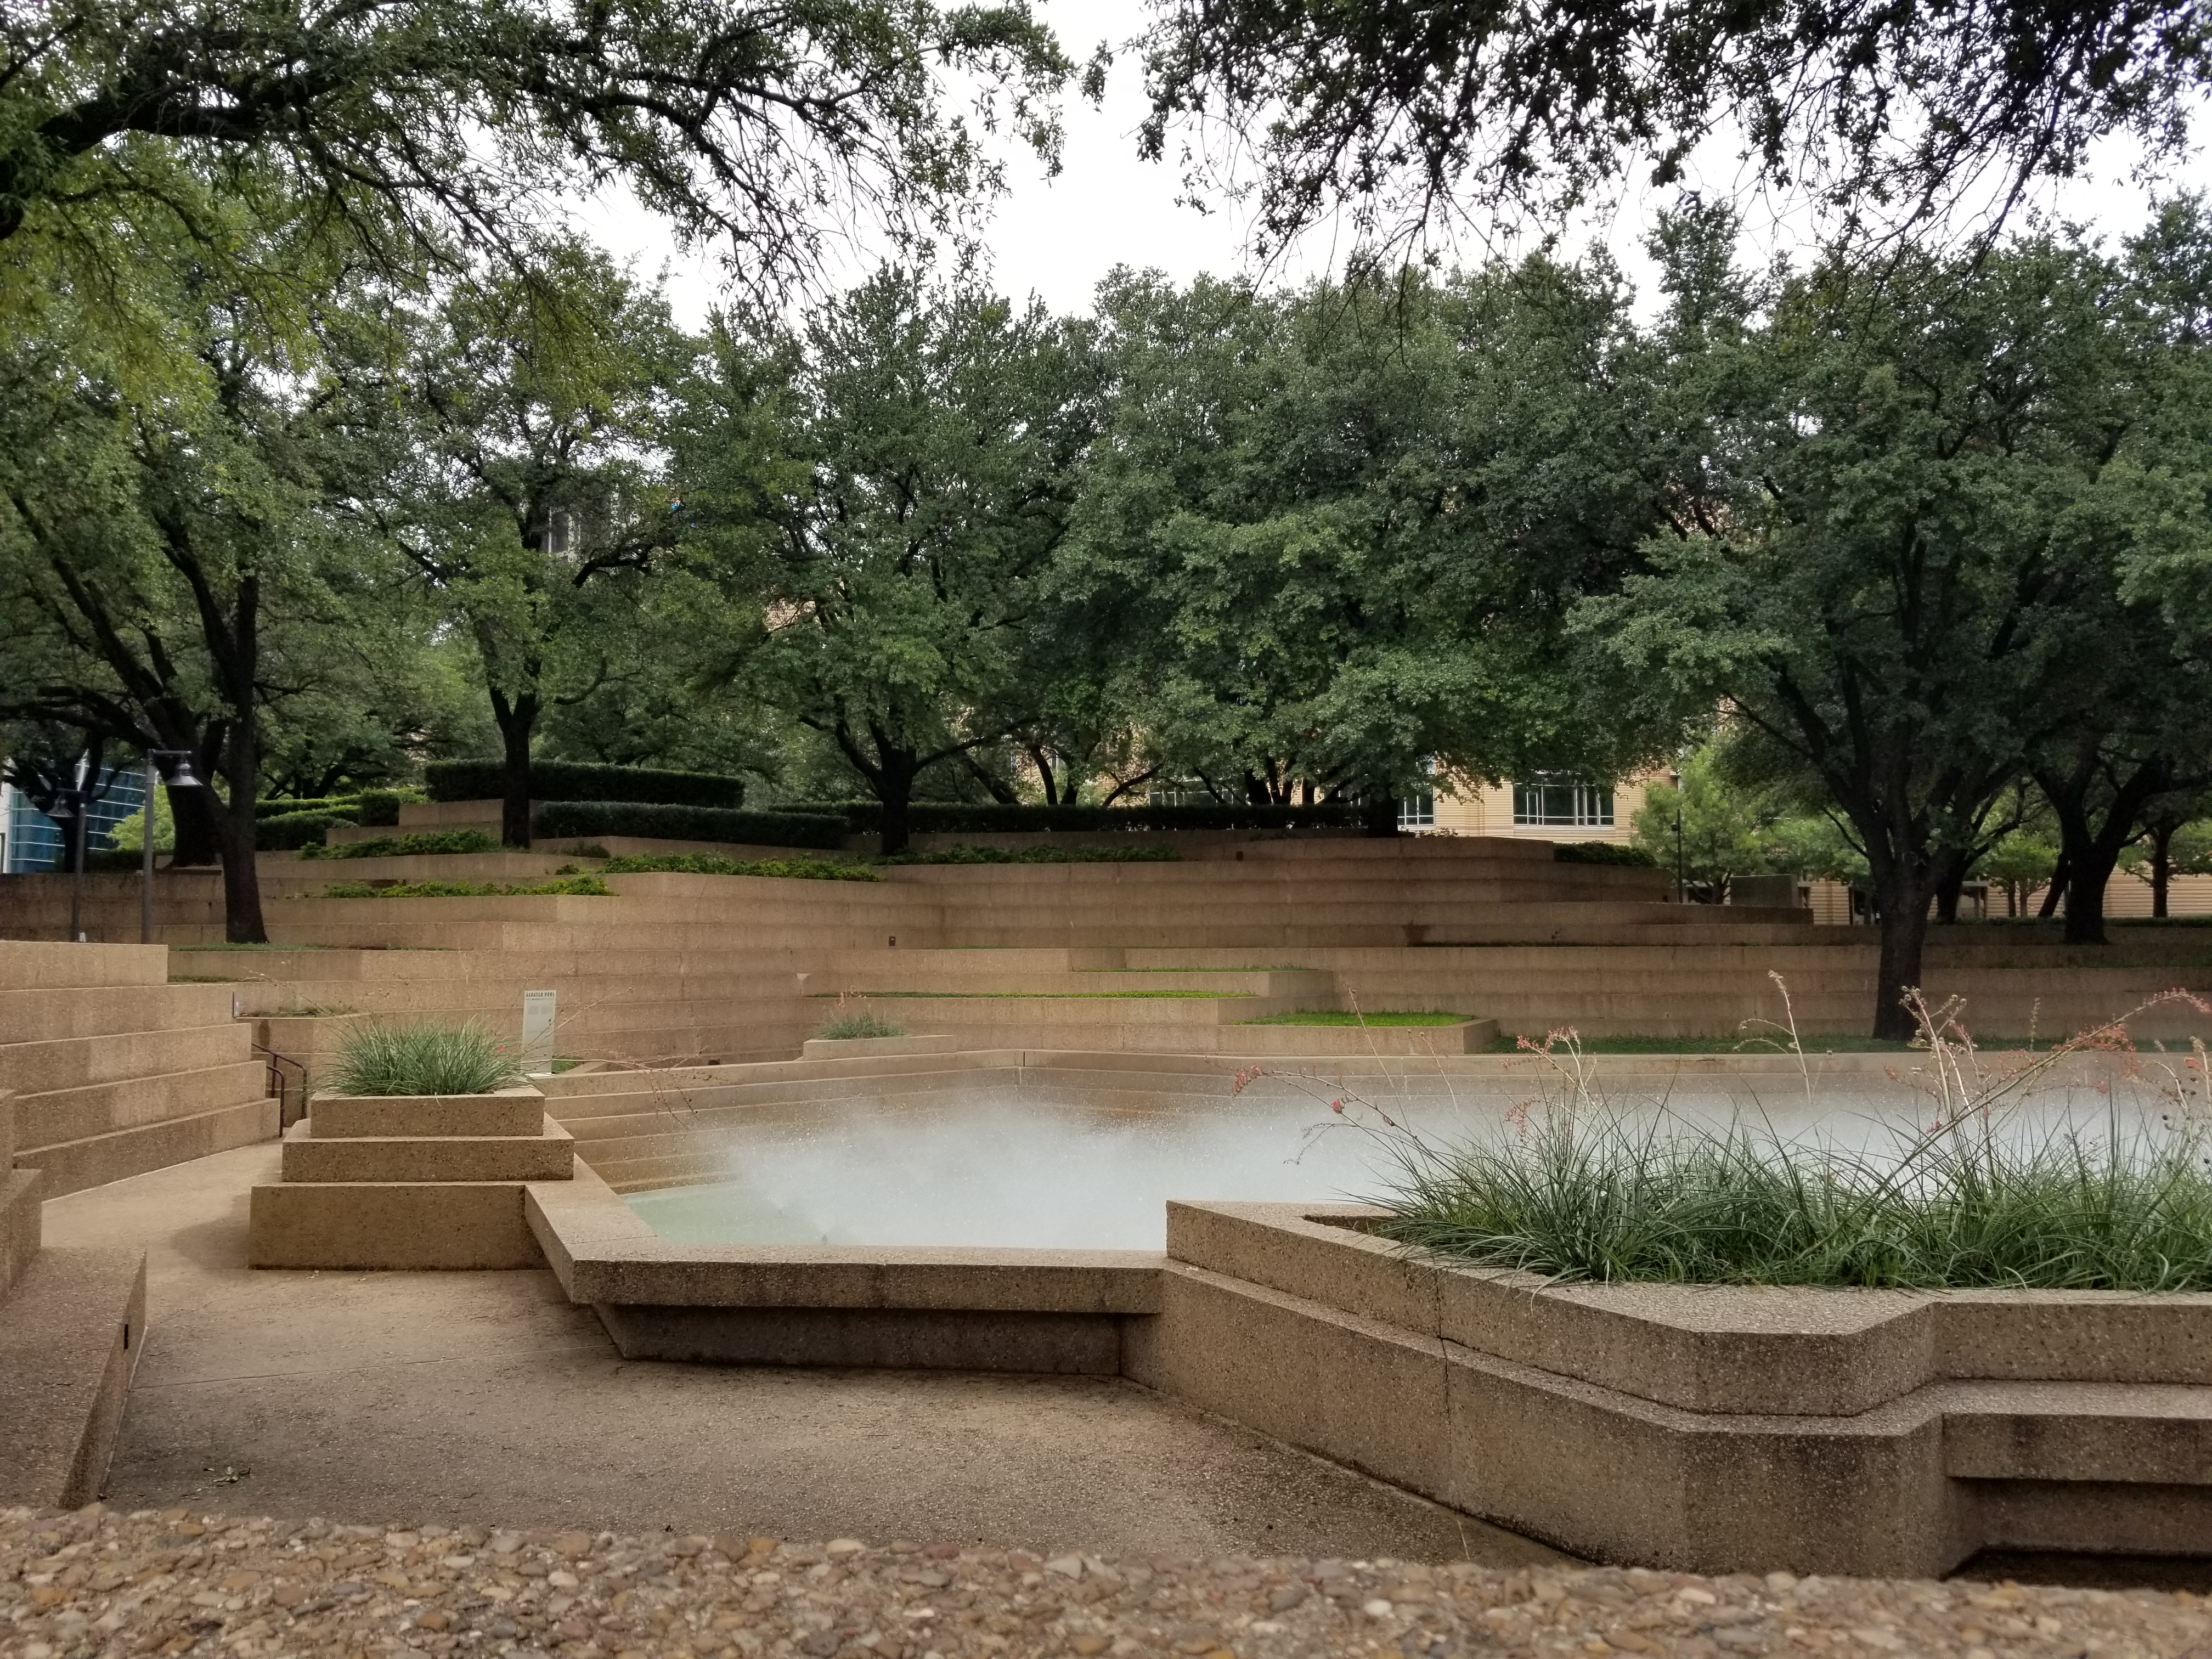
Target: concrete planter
[[1696, 1428], [410, 1181], [1702, 1428]]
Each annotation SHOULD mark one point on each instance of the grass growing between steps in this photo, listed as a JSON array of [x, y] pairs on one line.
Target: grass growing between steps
[[847, 1027], [1345, 1017], [712, 864]]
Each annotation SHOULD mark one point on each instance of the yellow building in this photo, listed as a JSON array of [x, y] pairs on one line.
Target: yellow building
[[1544, 808]]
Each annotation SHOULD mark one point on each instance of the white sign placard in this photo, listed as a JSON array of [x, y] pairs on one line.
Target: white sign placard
[[537, 1033]]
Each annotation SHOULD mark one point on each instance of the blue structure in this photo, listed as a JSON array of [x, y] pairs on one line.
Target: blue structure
[[34, 841]]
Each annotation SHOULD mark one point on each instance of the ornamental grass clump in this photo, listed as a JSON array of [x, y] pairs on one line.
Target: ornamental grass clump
[[1578, 1188], [865, 1024], [423, 1060]]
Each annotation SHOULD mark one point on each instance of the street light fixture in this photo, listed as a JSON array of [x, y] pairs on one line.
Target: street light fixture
[[181, 778]]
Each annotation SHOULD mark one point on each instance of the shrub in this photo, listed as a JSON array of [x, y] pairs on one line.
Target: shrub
[[1603, 852], [571, 886], [427, 840], [371, 806], [575, 781], [294, 830], [865, 1024], [710, 863], [671, 823], [422, 1059], [967, 854], [993, 817]]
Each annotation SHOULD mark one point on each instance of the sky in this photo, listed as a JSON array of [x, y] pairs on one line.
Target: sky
[[1058, 237]]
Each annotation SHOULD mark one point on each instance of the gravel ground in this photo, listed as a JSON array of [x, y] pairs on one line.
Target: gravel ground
[[172, 1583]]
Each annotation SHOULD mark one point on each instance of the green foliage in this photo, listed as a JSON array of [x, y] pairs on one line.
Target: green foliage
[[967, 854], [865, 1024], [708, 864], [891, 480], [295, 830], [1391, 124], [1322, 542], [1724, 826], [1602, 852], [995, 818], [557, 819], [421, 841], [573, 886], [422, 1059], [1615, 1198], [575, 780]]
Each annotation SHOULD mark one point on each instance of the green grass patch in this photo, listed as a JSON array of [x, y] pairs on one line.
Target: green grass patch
[[408, 846], [1342, 1017], [571, 886], [711, 864], [964, 853], [422, 1059], [258, 947]]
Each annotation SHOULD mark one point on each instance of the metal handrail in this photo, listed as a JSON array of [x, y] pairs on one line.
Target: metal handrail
[[276, 1063]]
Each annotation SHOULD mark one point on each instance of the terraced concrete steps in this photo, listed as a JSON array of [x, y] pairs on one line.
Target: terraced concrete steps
[[116, 1070]]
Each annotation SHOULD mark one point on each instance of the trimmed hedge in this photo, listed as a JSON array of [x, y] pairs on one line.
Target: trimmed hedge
[[960, 852], [660, 822], [427, 840], [290, 831], [371, 806], [710, 863], [934, 818], [1603, 852], [571, 886], [581, 780]]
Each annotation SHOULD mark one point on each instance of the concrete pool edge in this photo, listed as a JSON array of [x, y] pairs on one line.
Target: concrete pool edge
[[1687, 1427]]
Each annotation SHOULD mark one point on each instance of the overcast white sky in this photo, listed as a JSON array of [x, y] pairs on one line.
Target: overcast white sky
[[1058, 237]]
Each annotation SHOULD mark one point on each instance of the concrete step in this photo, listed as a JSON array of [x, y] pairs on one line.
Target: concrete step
[[37, 964], [20, 1211], [96, 1108], [544, 1156], [72, 1165], [56, 1014], [70, 1334], [74, 1062]]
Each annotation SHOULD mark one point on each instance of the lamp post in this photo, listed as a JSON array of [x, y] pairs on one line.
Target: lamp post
[[181, 778], [1682, 884]]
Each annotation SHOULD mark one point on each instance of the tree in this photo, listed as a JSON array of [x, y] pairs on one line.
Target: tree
[[2177, 841], [513, 445], [419, 124], [1325, 537], [1403, 114], [171, 560], [888, 486], [1876, 591], [1708, 826]]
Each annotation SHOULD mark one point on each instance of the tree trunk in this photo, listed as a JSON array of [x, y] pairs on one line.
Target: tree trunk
[[2161, 866], [517, 717], [1903, 903], [2085, 896], [242, 922], [2060, 875], [1948, 892], [1379, 816]]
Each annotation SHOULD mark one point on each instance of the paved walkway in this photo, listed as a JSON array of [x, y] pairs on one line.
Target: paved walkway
[[485, 1398]]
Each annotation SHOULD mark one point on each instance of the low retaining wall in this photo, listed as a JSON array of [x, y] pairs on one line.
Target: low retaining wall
[[1702, 1429]]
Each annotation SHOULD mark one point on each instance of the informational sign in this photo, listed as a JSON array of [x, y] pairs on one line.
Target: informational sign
[[537, 1033]]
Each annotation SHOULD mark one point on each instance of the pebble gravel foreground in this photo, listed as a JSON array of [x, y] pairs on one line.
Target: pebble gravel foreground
[[175, 1582]]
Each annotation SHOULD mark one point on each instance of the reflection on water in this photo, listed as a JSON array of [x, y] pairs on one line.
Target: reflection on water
[[1002, 1171]]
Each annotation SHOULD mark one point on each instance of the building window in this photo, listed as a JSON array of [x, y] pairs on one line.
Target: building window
[[1418, 810], [1565, 806]]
